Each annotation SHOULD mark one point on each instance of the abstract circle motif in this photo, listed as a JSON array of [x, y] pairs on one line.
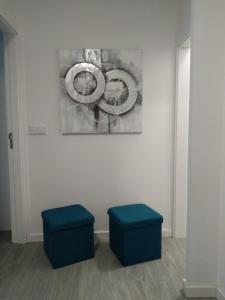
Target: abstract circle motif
[[117, 108], [85, 83], [70, 82]]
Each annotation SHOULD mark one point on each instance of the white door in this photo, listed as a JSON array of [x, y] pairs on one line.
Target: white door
[[5, 223]]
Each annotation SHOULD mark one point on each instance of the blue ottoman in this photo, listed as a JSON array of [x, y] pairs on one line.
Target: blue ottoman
[[135, 233], [68, 235]]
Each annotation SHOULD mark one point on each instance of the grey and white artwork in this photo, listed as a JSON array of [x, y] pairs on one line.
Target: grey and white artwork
[[101, 91]]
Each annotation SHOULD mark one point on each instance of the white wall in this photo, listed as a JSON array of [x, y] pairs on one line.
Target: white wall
[[184, 21], [4, 169], [181, 142], [7, 12], [205, 144], [99, 171], [221, 229]]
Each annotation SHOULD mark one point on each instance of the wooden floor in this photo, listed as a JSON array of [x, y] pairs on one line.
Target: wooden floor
[[25, 274]]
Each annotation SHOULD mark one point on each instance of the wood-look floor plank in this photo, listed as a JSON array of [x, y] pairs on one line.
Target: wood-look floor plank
[[26, 274]]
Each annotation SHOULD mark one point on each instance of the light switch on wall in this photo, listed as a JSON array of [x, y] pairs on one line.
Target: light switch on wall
[[37, 129]]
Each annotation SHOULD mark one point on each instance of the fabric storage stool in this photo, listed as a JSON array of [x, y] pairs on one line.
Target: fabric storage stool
[[68, 235], [135, 233]]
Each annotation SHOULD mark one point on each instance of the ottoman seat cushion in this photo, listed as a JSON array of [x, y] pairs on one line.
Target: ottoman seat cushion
[[135, 215], [67, 217]]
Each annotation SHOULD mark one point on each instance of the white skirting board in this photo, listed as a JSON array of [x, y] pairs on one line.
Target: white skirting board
[[202, 291], [101, 234]]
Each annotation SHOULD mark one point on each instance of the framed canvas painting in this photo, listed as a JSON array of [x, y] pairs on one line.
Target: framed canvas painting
[[100, 91]]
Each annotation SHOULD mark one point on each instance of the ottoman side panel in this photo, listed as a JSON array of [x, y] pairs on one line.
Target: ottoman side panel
[[72, 245], [48, 239], [142, 244], [116, 238]]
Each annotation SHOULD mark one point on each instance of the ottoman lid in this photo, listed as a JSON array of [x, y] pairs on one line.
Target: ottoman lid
[[135, 215], [67, 217]]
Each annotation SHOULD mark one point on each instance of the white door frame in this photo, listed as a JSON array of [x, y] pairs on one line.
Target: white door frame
[[178, 227], [17, 124]]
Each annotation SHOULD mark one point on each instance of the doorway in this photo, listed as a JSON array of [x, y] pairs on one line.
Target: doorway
[[5, 223], [15, 118], [181, 140]]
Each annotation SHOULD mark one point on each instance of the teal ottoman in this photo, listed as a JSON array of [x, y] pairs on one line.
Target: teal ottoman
[[68, 235], [135, 233]]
